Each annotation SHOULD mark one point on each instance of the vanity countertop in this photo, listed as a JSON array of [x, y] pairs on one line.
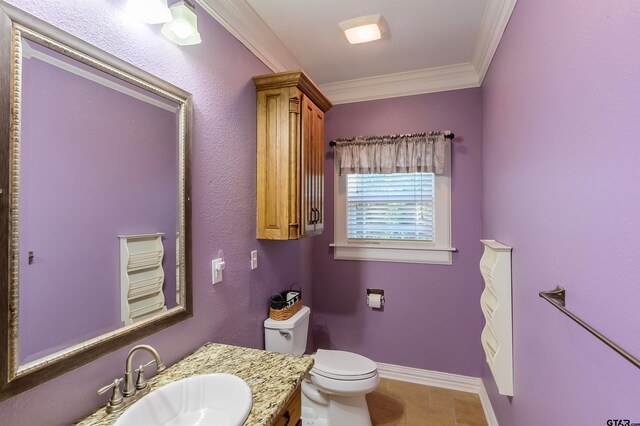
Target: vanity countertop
[[273, 378]]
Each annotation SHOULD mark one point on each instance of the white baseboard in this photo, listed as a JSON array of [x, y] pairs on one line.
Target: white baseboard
[[430, 378], [492, 420], [441, 380]]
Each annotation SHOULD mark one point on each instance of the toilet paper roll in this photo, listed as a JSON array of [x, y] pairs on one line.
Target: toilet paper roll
[[375, 301]]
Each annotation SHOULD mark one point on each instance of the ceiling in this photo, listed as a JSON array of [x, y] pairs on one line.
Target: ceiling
[[432, 45]]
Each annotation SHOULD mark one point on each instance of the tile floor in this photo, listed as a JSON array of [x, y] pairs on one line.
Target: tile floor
[[397, 403]]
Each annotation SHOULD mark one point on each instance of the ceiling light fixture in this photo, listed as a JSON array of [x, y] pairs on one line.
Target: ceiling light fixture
[[183, 28], [150, 11], [363, 29]]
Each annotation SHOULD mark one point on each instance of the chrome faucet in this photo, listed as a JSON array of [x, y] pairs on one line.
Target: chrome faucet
[[132, 391]]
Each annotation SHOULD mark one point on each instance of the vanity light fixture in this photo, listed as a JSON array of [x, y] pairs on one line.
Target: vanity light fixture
[[183, 28], [150, 11], [363, 29]]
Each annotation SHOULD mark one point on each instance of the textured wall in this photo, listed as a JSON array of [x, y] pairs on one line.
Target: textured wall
[[96, 164], [218, 74], [432, 318], [561, 175]]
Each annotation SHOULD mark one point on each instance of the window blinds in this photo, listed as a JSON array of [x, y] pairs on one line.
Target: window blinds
[[396, 206]]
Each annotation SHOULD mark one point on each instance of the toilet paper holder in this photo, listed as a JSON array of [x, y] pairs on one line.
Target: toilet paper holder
[[376, 291]]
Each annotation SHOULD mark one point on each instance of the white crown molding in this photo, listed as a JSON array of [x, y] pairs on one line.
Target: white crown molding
[[495, 20], [239, 18], [441, 380], [440, 79]]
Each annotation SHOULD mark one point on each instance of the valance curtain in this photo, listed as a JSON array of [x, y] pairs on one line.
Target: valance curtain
[[419, 152]]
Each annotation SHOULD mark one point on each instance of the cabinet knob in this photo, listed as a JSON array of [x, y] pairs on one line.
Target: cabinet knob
[[287, 418]]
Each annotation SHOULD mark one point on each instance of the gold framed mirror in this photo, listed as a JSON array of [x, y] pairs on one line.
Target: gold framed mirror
[[95, 201]]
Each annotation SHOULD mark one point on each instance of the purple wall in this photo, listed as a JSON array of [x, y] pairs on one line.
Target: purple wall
[[557, 118], [96, 163], [561, 175], [432, 317], [218, 74]]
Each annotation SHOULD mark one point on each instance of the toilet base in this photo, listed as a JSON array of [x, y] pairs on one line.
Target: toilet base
[[319, 409], [309, 419]]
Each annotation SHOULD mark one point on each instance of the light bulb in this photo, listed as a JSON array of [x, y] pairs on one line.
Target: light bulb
[[363, 34], [182, 29], [364, 29]]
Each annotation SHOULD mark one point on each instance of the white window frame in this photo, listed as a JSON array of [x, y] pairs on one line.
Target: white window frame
[[436, 252]]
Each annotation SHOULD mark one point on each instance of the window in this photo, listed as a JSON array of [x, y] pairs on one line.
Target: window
[[390, 207], [401, 217]]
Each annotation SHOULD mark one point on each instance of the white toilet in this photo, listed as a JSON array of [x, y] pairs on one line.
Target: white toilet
[[333, 393]]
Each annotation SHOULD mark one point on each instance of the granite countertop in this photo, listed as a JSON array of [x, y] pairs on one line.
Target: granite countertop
[[273, 378]]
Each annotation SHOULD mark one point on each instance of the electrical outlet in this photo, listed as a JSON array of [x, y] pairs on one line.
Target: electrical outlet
[[254, 259]]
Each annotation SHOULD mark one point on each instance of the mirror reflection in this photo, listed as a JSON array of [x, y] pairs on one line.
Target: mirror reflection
[[98, 203]]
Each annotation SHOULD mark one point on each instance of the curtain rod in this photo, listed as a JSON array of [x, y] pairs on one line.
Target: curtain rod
[[448, 134]]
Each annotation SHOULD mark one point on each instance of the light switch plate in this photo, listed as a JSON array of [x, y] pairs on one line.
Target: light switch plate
[[254, 259], [217, 265]]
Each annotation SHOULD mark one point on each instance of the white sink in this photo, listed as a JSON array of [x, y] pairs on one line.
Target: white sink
[[210, 399]]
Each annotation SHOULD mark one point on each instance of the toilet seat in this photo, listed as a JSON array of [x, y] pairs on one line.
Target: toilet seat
[[345, 378], [345, 386], [343, 373], [342, 365]]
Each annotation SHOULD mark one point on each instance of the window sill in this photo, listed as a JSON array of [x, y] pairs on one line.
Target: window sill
[[393, 253]]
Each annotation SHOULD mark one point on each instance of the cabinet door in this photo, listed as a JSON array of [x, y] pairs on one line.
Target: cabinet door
[[312, 165], [318, 145], [273, 165], [291, 413]]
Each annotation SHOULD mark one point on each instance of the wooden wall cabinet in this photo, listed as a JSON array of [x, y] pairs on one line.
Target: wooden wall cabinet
[[290, 164]]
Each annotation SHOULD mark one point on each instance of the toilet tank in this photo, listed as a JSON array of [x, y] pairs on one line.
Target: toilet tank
[[288, 336]]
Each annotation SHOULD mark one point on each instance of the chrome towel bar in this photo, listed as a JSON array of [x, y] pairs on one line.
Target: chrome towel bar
[[557, 298]]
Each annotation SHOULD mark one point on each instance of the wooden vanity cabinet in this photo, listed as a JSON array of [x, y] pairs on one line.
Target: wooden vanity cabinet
[[291, 414], [290, 163]]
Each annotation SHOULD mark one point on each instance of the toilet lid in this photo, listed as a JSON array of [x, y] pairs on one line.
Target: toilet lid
[[343, 365]]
